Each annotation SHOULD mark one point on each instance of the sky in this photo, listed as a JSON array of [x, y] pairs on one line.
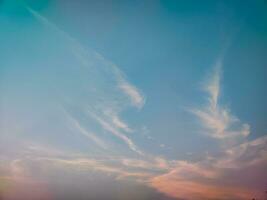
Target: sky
[[130, 100]]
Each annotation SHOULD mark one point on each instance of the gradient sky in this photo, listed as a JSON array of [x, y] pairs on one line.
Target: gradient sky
[[133, 99]]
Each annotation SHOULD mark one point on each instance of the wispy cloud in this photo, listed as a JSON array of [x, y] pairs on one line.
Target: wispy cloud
[[246, 154], [136, 97], [89, 58], [116, 121], [90, 135], [53, 159], [215, 118], [235, 174], [152, 164], [85, 164], [107, 126], [190, 190], [110, 94]]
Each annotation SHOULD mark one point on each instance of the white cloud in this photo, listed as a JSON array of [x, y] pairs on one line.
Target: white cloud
[[89, 58], [136, 97], [107, 126], [152, 164], [116, 121], [90, 135], [215, 118], [107, 85]]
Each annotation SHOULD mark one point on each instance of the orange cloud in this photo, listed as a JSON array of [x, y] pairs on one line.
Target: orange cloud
[[239, 174], [193, 190]]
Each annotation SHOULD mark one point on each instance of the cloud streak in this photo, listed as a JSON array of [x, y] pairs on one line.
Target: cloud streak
[[136, 97], [89, 135], [215, 118], [107, 126], [116, 121], [236, 174], [109, 89], [85, 55]]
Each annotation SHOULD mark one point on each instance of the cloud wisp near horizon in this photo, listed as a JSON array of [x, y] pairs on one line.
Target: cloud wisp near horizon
[[75, 125]]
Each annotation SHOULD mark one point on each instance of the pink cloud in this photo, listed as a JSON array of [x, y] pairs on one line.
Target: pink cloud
[[239, 173]]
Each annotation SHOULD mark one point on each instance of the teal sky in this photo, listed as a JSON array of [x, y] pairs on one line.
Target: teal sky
[[165, 99]]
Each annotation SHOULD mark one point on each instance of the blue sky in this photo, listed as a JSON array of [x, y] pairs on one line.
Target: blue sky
[[166, 96]]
